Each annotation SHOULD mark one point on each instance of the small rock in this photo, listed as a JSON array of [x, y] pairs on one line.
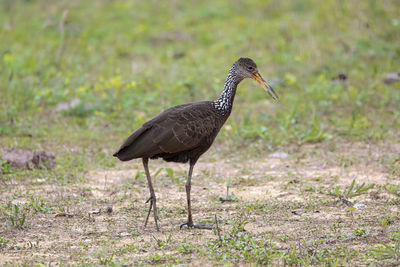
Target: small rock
[[297, 212], [95, 211], [342, 76], [172, 36], [123, 234], [20, 158], [68, 105], [279, 155], [64, 214], [109, 209], [391, 78], [359, 206]]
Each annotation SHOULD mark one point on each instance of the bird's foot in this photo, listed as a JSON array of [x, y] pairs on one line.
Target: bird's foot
[[197, 226], [153, 206]]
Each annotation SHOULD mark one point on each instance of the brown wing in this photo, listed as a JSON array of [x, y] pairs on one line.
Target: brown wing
[[177, 129]]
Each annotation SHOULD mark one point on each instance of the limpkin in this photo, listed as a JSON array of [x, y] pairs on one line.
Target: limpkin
[[183, 133]]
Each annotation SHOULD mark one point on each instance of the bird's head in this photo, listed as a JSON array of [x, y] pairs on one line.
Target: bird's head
[[246, 68]]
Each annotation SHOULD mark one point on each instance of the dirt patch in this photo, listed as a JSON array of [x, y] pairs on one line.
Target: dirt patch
[[269, 190]]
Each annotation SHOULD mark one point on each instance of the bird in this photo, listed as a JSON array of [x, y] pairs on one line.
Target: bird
[[183, 133]]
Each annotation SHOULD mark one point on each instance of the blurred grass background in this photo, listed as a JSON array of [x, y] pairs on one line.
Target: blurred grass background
[[126, 61]]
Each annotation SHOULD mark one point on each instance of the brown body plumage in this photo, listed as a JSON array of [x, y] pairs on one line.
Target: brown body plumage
[[178, 134], [183, 133]]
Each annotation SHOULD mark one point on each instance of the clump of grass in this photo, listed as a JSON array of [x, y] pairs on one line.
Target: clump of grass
[[38, 204], [16, 216], [228, 197], [387, 253], [353, 190], [239, 245], [3, 243]]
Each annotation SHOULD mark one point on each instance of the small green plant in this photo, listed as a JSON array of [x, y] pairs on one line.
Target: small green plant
[[388, 253], [393, 189], [139, 176], [314, 133], [240, 245], [3, 243], [163, 244], [110, 261], [186, 248], [361, 232], [395, 167], [4, 166], [228, 197], [16, 216], [170, 173], [350, 192], [385, 220], [38, 205]]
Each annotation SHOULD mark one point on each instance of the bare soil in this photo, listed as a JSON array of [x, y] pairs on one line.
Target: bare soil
[[284, 196]]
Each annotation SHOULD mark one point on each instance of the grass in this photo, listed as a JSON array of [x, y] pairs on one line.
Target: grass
[[123, 62], [126, 67]]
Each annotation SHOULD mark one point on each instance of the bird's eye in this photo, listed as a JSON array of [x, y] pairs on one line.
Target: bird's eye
[[250, 68]]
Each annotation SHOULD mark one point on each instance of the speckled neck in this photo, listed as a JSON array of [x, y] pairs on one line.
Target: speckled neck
[[225, 101]]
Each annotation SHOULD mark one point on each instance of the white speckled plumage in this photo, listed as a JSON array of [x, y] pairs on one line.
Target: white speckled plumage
[[225, 101]]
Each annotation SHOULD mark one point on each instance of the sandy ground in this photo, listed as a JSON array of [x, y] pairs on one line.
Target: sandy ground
[[281, 193]]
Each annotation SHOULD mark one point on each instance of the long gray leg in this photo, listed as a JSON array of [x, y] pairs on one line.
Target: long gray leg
[[152, 198], [188, 187]]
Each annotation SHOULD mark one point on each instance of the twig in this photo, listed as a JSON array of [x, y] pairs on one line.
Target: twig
[[105, 182], [61, 46], [347, 202], [157, 240], [218, 231]]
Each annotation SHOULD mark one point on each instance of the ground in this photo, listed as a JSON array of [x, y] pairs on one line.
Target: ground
[[283, 212]]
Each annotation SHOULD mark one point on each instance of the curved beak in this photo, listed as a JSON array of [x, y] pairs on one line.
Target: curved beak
[[257, 76]]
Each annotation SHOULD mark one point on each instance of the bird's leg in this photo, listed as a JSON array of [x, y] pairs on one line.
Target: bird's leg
[[148, 214], [152, 198], [188, 186]]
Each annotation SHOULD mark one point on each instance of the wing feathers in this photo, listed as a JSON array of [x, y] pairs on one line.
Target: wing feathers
[[175, 130]]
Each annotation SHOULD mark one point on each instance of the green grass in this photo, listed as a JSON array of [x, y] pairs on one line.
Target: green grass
[[127, 61]]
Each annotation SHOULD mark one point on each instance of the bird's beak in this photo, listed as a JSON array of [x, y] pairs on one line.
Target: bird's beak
[[257, 76]]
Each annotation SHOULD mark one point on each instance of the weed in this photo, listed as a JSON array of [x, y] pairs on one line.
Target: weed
[[388, 253], [350, 192], [16, 216], [393, 189], [361, 232], [163, 244], [3, 243], [170, 173], [110, 261], [394, 167], [186, 248], [5, 166], [38, 205], [239, 245], [227, 197], [386, 220]]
